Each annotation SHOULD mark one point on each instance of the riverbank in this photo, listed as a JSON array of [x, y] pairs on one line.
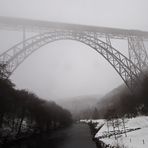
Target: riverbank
[[93, 133], [132, 135]]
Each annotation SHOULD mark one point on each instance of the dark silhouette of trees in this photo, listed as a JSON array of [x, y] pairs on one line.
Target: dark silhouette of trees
[[122, 103], [95, 114], [23, 112]]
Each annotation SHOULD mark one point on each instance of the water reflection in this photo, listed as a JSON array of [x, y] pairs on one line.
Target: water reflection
[[41, 141], [76, 136]]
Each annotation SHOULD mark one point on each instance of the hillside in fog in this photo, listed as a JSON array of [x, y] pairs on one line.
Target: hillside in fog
[[78, 106], [121, 102], [110, 98]]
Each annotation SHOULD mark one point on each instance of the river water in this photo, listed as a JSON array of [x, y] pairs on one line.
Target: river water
[[75, 136]]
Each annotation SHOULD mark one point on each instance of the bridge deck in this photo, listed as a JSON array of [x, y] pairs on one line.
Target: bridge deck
[[36, 26]]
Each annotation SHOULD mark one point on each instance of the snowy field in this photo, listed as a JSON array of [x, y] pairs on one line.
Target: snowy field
[[133, 135]]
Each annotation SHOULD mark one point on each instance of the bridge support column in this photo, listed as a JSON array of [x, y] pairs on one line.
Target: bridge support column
[[24, 37], [108, 41], [137, 52]]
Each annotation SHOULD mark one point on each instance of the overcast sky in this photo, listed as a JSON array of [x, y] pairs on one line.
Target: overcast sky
[[68, 68]]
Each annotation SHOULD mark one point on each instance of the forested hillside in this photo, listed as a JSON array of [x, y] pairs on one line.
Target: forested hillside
[[22, 112], [122, 102]]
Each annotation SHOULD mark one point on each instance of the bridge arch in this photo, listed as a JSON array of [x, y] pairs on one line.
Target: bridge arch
[[14, 56]]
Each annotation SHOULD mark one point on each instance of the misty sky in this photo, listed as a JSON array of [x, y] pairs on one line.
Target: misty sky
[[68, 68]]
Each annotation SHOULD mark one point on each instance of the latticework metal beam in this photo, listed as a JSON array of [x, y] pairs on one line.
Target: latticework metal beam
[[39, 26], [137, 52], [125, 68], [128, 68]]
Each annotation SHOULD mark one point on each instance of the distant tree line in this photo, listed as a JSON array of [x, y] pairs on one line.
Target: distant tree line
[[23, 112]]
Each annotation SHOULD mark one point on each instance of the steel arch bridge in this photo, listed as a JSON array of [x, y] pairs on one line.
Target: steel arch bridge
[[129, 68]]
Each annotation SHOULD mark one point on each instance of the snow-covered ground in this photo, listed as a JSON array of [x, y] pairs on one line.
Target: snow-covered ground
[[136, 135]]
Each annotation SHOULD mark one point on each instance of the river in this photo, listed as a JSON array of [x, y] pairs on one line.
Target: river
[[76, 136]]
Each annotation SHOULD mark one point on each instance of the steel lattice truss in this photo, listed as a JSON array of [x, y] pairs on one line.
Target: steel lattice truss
[[129, 68], [137, 52], [17, 54]]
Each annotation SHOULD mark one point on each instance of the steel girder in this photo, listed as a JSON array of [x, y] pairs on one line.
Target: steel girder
[[38, 26], [137, 52], [127, 70]]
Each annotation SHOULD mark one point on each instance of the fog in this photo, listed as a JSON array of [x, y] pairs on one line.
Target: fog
[[66, 69], [115, 13]]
